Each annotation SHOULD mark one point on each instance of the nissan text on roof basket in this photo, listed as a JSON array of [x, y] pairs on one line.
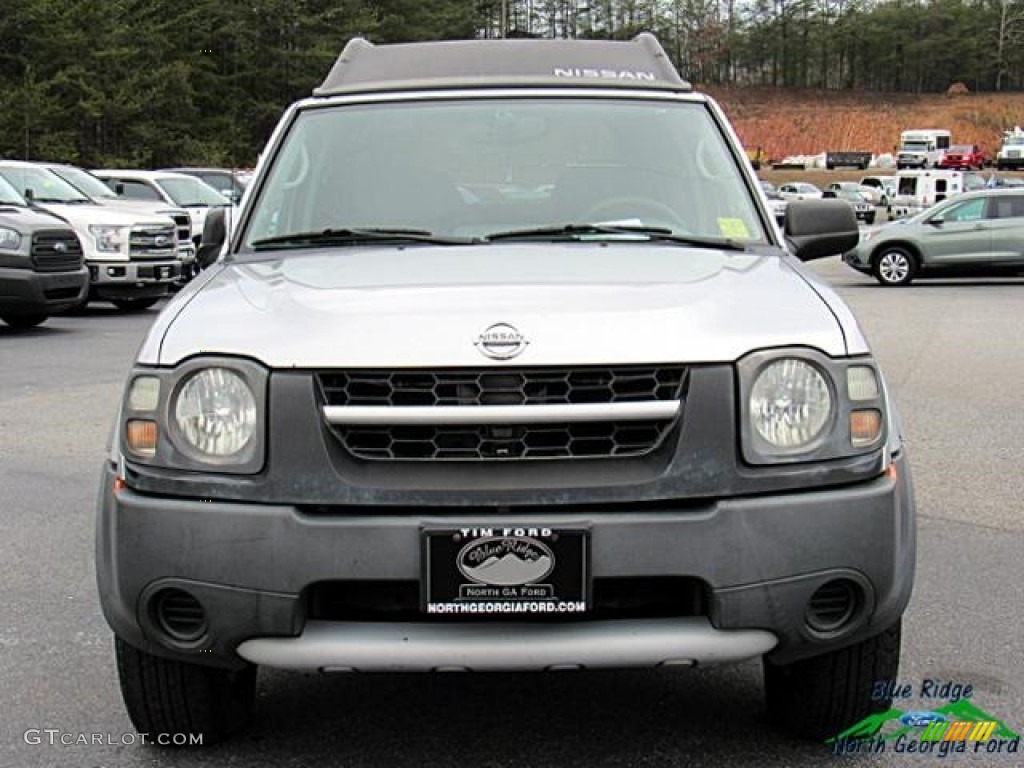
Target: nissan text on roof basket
[[506, 366]]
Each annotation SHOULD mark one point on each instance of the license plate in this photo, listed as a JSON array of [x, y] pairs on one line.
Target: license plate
[[505, 571]]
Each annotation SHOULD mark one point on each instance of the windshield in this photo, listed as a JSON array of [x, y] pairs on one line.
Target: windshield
[[83, 181], [189, 192], [915, 146], [476, 167], [45, 186], [8, 194]]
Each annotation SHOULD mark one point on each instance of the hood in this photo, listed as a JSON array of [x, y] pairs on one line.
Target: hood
[[24, 219], [151, 207], [575, 304], [86, 214]]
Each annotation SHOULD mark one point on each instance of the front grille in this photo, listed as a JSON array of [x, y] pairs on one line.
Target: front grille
[[524, 386], [521, 441], [56, 250], [153, 243], [593, 437], [184, 227]]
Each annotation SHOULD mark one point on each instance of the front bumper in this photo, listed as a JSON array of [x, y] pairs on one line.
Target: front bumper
[[851, 260], [134, 279], [253, 566], [24, 291]]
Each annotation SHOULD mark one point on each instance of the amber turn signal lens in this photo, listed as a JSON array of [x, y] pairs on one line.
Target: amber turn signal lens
[[865, 427], [141, 437]]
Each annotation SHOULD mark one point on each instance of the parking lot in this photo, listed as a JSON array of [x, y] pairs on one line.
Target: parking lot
[[953, 354]]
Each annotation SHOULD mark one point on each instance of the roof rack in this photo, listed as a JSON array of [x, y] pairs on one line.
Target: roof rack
[[639, 63]]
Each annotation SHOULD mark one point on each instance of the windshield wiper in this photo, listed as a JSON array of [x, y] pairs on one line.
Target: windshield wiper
[[658, 234], [369, 235]]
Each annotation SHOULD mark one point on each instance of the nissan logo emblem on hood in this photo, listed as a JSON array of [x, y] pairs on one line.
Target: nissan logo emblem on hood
[[501, 341]]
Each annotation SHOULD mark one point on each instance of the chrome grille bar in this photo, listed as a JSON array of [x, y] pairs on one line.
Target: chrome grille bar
[[411, 415]]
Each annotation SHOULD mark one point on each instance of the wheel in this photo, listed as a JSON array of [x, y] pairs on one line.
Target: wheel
[[23, 321], [617, 208], [817, 698], [829, 167], [172, 697], [133, 305], [869, 219], [894, 265]]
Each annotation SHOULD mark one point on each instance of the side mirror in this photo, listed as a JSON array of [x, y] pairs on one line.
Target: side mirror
[[29, 195], [819, 228], [215, 233], [119, 189], [828, 194], [937, 221]]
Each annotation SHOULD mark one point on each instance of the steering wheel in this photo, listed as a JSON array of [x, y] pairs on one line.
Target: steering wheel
[[648, 210]]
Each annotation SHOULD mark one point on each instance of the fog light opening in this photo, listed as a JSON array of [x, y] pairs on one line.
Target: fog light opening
[[179, 615], [834, 606]]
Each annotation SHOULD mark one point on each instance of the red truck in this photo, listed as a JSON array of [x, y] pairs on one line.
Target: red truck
[[963, 157]]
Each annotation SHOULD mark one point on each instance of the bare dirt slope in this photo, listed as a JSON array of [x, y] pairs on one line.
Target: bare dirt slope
[[788, 122]]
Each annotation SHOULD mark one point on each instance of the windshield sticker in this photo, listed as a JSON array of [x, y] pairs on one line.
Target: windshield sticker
[[735, 228]]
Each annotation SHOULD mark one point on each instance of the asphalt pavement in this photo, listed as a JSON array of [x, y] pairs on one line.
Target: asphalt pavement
[[953, 353]]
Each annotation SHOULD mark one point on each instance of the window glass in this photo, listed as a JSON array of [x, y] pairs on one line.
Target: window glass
[[971, 210], [138, 190], [480, 166], [1006, 207], [41, 184], [191, 192]]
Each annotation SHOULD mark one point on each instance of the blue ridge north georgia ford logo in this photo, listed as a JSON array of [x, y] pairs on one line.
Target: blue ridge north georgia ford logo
[[505, 561]]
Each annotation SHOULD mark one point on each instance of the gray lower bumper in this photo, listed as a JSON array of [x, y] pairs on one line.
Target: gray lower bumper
[[409, 647], [23, 291], [760, 559]]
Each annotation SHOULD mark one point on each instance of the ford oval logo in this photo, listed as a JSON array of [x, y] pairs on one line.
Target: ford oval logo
[[501, 342], [60, 247], [161, 240], [507, 561]]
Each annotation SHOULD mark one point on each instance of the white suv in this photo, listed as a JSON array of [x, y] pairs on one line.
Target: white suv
[[506, 366]]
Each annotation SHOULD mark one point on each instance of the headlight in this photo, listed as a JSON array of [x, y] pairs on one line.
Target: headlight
[[208, 414], [215, 412], [110, 239], [801, 405], [10, 239], [790, 404]]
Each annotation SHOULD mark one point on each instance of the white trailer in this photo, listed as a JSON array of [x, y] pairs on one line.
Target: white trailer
[[918, 190]]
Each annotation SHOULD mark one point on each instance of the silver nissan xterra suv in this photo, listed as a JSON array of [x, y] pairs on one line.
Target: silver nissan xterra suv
[[505, 365]]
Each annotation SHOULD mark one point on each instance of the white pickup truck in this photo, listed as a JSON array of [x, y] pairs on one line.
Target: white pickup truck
[[132, 258]]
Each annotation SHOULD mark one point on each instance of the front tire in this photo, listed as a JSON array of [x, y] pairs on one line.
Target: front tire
[[894, 266], [23, 321], [818, 698], [167, 698]]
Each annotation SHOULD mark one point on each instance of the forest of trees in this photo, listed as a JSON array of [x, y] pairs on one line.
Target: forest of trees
[[147, 83]]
